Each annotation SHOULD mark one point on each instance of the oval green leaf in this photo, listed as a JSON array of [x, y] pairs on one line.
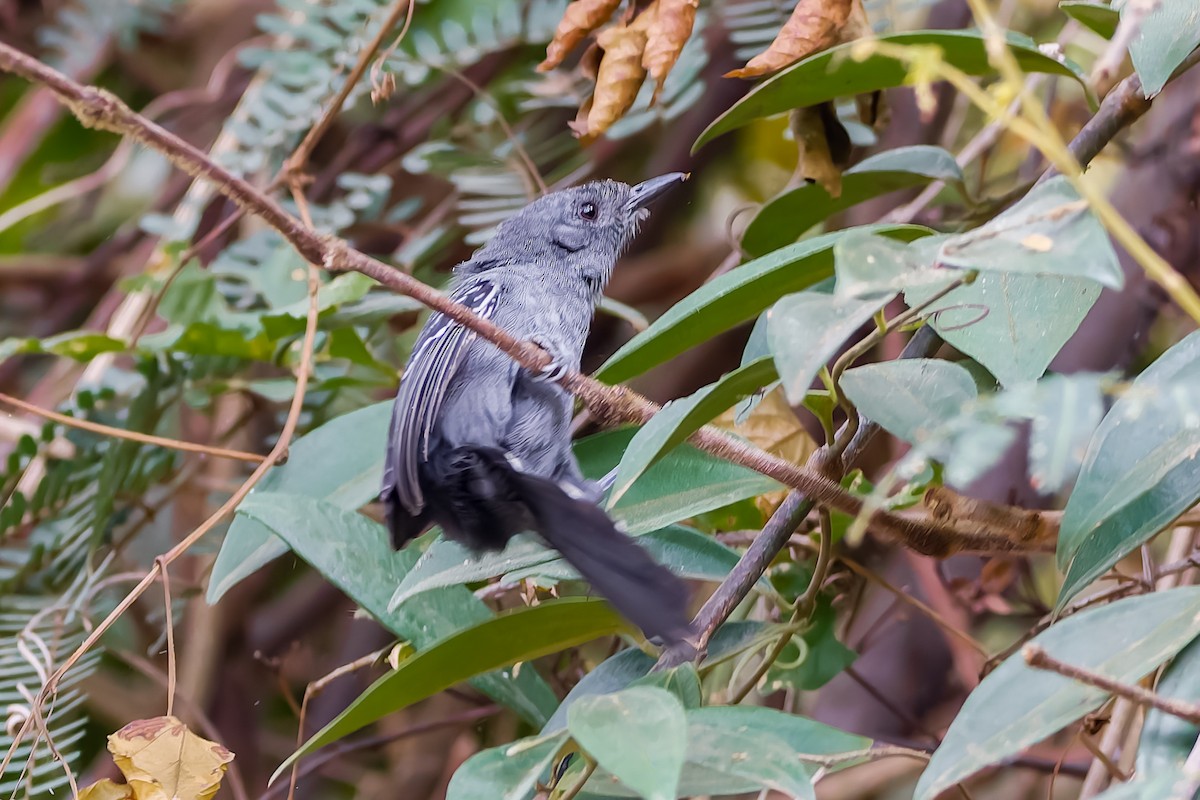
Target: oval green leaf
[[1100, 18], [341, 462], [507, 772], [638, 734], [834, 73], [806, 329], [1017, 706], [911, 397]]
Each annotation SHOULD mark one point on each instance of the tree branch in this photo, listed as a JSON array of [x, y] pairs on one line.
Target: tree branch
[[101, 109], [1038, 658]]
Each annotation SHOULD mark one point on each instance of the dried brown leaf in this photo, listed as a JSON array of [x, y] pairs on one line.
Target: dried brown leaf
[[815, 25], [581, 18], [816, 162], [617, 82], [668, 30]]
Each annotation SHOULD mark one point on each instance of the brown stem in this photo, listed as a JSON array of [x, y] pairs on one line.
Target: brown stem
[[1038, 658], [133, 436]]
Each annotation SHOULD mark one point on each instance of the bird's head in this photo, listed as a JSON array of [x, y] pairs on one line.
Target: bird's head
[[584, 229]]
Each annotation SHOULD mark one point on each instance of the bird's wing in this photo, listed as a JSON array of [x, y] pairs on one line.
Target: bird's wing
[[435, 358]]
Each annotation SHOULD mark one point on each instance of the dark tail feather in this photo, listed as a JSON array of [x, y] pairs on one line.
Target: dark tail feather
[[645, 592], [403, 526]]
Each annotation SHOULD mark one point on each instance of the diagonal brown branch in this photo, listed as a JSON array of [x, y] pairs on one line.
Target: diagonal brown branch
[[100, 109]]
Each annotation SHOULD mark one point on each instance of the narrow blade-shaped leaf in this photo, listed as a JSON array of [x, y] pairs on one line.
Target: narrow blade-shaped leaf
[[679, 419], [520, 635], [354, 554], [733, 298], [1016, 706], [785, 217], [835, 73]]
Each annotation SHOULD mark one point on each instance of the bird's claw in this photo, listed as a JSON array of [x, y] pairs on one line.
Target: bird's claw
[[555, 370]]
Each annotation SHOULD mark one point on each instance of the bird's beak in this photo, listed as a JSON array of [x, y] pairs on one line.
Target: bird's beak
[[647, 191]]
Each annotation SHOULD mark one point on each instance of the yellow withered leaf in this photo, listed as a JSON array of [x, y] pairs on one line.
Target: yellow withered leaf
[[774, 427], [815, 25], [106, 790], [668, 31], [581, 18], [162, 760], [811, 127], [618, 79]]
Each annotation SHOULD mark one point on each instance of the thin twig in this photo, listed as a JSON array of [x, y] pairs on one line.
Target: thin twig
[[1038, 658], [299, 159], [164, 574], [336, 752], [133, 436]]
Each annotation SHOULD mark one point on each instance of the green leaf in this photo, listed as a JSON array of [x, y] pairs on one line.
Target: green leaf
[[353, 553], [868, 265], [1065, 410], [910, 398], [685, 483], [733, 298], [686, 552], [1049, 232], [613, 674], [290, 319], [1166, 739], [520, 635], [807, 329], [754, 755], [1140, 471], [835, 73], [813, 658], [638, 734], [682, 681], [1012, 324], [507, 772], [1167, 35], [341, 461], [1100, 18], [785, 217], [679, 419], [1016, 706], [81, 346], [448, 563]]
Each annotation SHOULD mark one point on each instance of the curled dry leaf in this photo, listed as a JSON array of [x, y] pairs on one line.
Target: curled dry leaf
[[669, 25], [822, 144], [581, 18], [162, 760], [617, 81], [815, 25]]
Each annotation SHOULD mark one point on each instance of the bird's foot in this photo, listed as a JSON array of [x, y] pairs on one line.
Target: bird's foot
[[558, 367]]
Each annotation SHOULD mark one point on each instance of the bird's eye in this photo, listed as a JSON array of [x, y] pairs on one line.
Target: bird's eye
[[587, 210]]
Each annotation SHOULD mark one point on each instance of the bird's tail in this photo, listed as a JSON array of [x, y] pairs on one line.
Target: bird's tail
[[491, 501]]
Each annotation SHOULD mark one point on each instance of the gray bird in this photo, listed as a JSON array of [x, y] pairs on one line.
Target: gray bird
[[481, 446]]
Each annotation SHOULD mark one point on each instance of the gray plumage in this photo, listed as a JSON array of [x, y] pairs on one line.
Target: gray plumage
[[481, 446]]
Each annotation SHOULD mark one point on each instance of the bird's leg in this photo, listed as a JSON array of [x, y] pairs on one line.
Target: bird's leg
[[560, 362]]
